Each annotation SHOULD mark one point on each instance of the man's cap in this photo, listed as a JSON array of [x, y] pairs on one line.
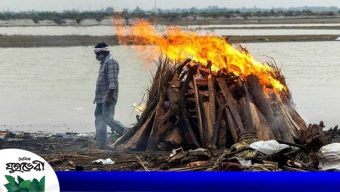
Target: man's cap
[[101, 47]]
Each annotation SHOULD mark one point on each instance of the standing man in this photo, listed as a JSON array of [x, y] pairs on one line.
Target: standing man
[[106, 94]]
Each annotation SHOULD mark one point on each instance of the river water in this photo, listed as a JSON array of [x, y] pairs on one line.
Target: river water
[[229, 30], [52, 89]]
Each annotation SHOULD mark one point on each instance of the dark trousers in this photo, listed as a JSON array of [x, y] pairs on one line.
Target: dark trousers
[[104, 117]]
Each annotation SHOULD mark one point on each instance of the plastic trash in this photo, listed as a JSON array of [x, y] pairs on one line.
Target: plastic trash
[[176, 151], [83, 135], [337, 39], [107, 161], [200, 152], [268, 147], [139, 107], [244, 162], [3, 135], [241, 146], [329, 157]]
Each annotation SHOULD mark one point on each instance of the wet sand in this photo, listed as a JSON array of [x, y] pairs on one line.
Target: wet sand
[[76, 152]]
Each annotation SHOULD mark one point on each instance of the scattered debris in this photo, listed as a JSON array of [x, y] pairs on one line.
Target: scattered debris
[[329, 157], [314, 137], [175, 151], [196, 164], [107, 161], [142, 163], [262, 167], [242, 149], [76, 152], [4, 135], [138, 107], [268, 147], [243, 162]]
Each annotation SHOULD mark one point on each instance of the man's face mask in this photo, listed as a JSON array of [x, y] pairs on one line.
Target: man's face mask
[[100, 56]]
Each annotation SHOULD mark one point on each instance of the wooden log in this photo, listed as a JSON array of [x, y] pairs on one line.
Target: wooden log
[[294, 127], [332, 134], [259, 96], [298, 119], [183, 111], [208, 112], [174, 136], [263, 104], [143, 118], [201, 81], [204, 69], [204, 107], [198, 110], [314, 137], [263, 130], [139, 139], [230, 102], [204, 93], [212, 111], [235, 131], [254, 121], [295, 119], [207, 128], [222, 133], [149, 109], [158, 129], [179, 69], [289, 124], [163, 73], [284, 127], [218, 132], [233, 117], [174, 95], [246, 113]]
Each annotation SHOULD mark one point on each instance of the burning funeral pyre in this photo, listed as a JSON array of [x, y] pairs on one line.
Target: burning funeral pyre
[[208, 93]]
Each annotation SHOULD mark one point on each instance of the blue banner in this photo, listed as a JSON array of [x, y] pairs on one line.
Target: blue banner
[[200, 181]]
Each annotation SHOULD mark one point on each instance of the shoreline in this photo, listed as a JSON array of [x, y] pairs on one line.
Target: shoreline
[[8, 41], [185, 20], [76, 152]]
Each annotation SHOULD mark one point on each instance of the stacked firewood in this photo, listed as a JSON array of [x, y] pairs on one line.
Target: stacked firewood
[[191, 106]]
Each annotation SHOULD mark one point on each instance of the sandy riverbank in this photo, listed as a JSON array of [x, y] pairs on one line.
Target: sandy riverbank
[[74, 40]]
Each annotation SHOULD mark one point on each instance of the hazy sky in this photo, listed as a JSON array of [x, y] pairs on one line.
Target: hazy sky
[[59, 5]]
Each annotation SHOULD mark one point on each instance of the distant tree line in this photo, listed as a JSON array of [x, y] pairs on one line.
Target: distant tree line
[[57, 17], [170, 14], [214, 11]]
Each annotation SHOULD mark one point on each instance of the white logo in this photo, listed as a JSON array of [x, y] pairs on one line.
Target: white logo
[[22, 170]]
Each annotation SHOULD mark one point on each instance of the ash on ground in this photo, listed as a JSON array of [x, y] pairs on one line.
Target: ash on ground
[[77, 152]]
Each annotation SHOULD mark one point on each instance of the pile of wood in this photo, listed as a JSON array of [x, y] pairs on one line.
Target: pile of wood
[[190, 106]]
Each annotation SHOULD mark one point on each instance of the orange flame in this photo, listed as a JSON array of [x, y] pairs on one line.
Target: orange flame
[[179, 45]]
